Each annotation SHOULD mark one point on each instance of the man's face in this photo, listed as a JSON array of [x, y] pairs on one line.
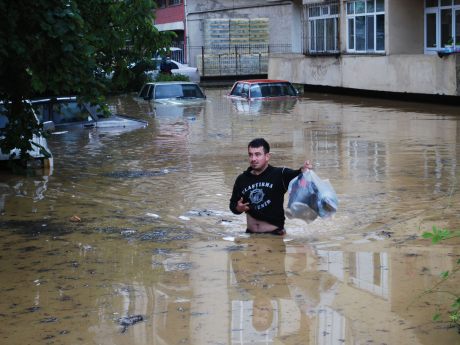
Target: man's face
[[258, 159]]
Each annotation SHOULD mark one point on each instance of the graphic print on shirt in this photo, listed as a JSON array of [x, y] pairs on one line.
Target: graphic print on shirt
[[257, 195]]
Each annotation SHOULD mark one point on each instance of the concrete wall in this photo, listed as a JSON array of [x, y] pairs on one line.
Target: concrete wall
[[412, 73], [404, 27], [284, 18]]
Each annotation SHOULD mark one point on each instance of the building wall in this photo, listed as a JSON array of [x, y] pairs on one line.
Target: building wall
[[170, 14], [284, 19], [405, 27], [403, 68], [412, 73]]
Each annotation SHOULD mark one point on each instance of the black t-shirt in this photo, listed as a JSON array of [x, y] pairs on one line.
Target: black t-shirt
[[264, 192]]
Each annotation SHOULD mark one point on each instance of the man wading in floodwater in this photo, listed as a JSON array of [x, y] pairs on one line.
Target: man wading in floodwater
[[259, 191]]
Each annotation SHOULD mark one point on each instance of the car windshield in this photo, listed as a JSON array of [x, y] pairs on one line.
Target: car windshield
[[3, 117], [64, 112], [177, 91]]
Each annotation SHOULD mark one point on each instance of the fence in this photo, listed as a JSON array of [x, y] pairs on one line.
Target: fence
[[234, 59]]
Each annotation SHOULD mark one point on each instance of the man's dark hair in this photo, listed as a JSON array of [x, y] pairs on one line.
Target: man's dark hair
[[258, 142]]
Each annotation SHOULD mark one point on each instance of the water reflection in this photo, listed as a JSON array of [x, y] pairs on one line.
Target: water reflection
[[259, 106], [259, 289], [154, 214]]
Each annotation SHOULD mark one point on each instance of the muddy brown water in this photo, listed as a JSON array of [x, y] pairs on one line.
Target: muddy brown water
[[156, 237]]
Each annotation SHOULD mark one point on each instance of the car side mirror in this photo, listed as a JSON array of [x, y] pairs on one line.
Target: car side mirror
[[48, 126]]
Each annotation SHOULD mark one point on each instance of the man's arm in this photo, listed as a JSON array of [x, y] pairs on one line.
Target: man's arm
[[237, 205], [289, 174]]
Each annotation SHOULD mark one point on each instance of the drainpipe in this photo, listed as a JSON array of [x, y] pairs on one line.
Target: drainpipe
[[187, 55]]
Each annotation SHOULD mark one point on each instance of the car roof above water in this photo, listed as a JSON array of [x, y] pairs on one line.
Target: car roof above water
[[171, 90]]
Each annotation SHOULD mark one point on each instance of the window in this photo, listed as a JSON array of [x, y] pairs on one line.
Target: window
[[366, 26], [442, 24], [323, 27], [168, 3]]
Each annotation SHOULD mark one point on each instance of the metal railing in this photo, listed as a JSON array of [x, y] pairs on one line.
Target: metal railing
[[234, 59]]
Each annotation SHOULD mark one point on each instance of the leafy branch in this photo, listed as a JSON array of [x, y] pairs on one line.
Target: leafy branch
[[437, 235]]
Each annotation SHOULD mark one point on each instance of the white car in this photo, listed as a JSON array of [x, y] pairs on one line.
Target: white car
[[184, 91], [40, 153], [67, 113], [176, 68]]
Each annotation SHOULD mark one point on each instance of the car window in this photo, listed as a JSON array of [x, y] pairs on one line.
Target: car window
[[191, 90], [237, 90], [70, 112], [173, 65], [245, 91], [178, 91], [3, 117], [255, 91], [168, 91], [144, 92], [42, 111], [277, 90]]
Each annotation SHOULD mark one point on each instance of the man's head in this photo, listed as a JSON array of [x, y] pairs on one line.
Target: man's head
[[259, 142], [259, 155]]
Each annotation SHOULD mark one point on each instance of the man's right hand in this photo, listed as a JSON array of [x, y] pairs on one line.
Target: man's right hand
[[242, 206]]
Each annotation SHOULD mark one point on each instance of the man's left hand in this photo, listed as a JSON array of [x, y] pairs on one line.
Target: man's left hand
[[307, 166]]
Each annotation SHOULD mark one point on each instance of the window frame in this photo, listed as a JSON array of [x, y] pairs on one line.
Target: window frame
[[320, 20], [454, 7], [351, 19]]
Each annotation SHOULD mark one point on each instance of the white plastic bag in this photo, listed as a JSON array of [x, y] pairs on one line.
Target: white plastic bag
[[310, 197]]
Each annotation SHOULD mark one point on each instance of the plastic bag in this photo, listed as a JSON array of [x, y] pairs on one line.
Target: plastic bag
[[310, 197]]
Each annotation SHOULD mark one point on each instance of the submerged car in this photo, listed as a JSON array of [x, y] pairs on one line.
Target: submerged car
[[67, 113], [40, 154], [263, 88], [176, 90]]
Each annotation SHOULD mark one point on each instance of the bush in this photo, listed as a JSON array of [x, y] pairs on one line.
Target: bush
[[171, 77]]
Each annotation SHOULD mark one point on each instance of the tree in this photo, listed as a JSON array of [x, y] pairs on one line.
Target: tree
[[61, 47]]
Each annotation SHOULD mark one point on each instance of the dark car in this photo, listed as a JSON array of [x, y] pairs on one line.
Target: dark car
[[40, 154], [263, 88], [67, 113], [171, 90]]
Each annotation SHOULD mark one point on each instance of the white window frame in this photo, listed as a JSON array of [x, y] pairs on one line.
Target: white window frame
[[325, 13], [437, 11], [352, 17]]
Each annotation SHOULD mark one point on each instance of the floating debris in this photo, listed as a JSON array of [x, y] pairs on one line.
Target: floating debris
[[129, 320], [136, 173], [75, 219], [153, 215], [127, 232], [165, 235]]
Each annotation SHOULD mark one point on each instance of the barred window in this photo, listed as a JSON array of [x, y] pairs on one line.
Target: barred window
[[323, 27]]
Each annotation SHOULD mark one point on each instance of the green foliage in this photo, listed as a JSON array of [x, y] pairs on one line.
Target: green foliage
[[171, 77], [437, 235], [67, 47]]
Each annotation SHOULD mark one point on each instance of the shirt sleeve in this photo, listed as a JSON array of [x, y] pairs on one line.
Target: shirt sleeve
[[287, 175], [235, 197]]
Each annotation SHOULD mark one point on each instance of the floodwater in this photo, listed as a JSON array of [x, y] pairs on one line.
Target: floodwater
[[136, 224]]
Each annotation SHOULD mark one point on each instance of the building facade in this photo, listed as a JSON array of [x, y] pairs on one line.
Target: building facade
[[170, 16], [410, 46], [378, 45]]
